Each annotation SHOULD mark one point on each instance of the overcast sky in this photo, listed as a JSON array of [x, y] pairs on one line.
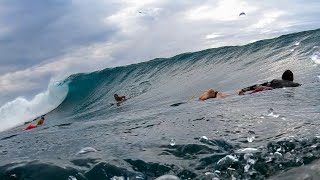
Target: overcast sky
[[50, 39]]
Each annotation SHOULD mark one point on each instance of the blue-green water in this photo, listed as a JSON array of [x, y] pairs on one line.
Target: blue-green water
[[146, 137]]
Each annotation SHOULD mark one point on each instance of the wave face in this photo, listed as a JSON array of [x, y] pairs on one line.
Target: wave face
[[163, 129], [181, 77]]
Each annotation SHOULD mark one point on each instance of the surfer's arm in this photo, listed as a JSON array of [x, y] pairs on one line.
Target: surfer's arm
[[296, 84]]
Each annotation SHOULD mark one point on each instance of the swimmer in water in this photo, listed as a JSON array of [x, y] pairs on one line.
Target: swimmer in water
[[286, 81], [211, 93], [119, 98]]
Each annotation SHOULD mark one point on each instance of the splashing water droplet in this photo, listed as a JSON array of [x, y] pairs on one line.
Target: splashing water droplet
[[247, 150], [168, 177], [203, 138], [298, 160], [87, 150], [247, 156], [72, 178], [246, 168], [272, 114], [268, 159], [214, 176], [140, 176], [117, 178], [172, 142], [231, 169], [13, 176], [208, 173], [276, 115], [251, 161], [233, 178], [277, 155], [227, 160], [251, 136]]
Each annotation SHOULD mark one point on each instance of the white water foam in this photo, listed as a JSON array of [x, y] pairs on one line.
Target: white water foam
[[20, 110], [316, 57], [87, 150], [297, 43]]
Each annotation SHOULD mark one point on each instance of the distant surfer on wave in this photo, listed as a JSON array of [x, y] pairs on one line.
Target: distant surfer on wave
[[286, 81], [118, 98], [31, 126]]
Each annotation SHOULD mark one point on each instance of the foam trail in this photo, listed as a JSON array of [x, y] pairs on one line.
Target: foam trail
[[21, 110]]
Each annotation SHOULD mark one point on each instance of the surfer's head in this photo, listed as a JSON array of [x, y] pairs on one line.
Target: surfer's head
[[115, 95], [287, 75], [40, 121], [213, 93]]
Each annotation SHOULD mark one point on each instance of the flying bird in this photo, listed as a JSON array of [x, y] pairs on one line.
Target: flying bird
[[242, 14]]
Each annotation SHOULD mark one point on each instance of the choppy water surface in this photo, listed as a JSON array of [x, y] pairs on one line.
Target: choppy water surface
[[164, 130]]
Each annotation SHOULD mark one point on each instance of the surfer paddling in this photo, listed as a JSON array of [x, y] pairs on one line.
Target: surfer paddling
[[40, 122], [118, 98], [286, 81]]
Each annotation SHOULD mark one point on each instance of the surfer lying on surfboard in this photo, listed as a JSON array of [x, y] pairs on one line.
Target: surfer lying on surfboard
[[31, 126], [119, 98], [286, 81]]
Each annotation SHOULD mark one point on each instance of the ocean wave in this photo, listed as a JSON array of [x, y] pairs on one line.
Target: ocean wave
[[21, 110]]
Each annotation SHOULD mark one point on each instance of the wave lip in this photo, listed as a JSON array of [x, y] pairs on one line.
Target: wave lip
[[21, 110]]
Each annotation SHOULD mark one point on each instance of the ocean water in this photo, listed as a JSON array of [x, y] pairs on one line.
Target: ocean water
[[164, 130]]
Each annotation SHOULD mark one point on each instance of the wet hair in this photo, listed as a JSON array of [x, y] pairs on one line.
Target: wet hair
[[41, 121], [287, 75], [215, 94], [115, 95]]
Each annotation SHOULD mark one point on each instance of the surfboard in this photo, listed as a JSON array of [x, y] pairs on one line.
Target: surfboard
[[118, 103]]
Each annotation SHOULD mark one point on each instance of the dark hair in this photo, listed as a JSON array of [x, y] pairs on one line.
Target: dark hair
[[115, 95], [215, 94], [287, 75]]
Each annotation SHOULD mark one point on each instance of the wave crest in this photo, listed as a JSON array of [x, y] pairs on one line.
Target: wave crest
[[21, 110]]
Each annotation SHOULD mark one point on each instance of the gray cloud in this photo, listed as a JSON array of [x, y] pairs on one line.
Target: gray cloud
[[39, 30]]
